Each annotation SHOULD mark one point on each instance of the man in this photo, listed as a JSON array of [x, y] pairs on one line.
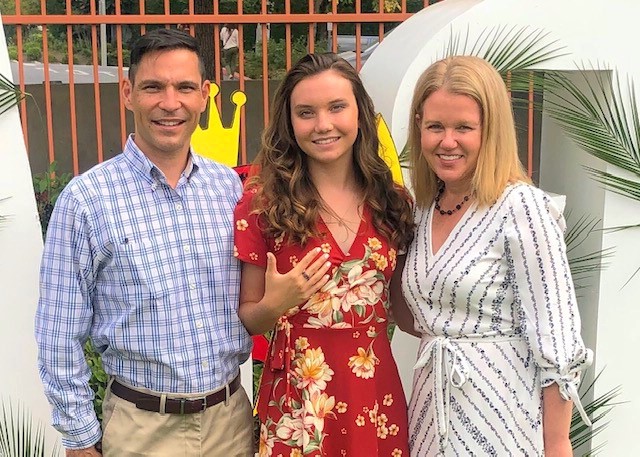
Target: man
[[139, 257]]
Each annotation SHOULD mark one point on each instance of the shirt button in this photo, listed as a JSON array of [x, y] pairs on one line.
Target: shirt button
[[192, 286], [179, 207], [199, 325], [205, 364], [187, 248]]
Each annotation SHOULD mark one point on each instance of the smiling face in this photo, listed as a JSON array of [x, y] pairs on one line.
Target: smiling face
[[324, 116], [451, 137], [166, 98]]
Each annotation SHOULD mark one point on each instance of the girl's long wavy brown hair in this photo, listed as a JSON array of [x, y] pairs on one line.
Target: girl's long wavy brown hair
[[288, 201]]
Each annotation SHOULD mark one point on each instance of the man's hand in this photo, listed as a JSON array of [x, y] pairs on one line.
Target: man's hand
[[88, 452]]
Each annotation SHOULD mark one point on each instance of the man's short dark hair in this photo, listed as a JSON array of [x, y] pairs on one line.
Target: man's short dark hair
[[163, 40]]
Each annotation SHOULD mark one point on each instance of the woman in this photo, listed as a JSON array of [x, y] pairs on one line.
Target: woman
[[330, 386], [486, 278], [229, 40]]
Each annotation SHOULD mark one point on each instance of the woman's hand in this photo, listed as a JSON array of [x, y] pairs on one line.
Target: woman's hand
[[265, 294], [299, 284]]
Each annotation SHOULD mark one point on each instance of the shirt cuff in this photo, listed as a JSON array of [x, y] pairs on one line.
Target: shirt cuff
[[83, 438]]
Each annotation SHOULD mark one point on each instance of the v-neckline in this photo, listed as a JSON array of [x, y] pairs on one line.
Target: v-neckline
[[358, 233], [469, 211]]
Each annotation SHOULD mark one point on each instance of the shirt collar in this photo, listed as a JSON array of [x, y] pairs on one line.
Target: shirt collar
[[148, 169]]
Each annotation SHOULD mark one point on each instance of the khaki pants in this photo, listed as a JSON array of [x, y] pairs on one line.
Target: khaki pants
[[219, 431]]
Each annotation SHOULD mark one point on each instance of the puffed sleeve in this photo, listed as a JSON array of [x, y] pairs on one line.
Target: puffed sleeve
[[544, 290], [249, 242]]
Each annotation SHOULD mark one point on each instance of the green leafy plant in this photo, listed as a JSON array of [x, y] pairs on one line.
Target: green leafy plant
[[603, 124], [99, 378], [584, 266], [20, 435], [598, 410], [47, 187], [508, 49], [276, 57], [13, 51]]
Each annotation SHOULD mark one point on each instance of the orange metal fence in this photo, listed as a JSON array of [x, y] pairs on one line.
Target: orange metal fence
[[78, 28], [81, 18]]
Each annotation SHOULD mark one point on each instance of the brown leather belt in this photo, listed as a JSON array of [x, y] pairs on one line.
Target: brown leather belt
[[150, 402]]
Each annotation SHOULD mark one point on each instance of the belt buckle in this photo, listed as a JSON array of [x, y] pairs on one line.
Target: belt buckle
[[183, 403]]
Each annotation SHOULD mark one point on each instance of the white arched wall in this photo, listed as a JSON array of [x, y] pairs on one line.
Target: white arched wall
[[596, 35], [20, 250]]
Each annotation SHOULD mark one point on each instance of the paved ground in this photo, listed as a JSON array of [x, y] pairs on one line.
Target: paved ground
[[83, 74]]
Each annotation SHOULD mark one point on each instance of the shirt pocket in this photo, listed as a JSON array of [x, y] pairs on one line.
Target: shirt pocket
[[143, 266]]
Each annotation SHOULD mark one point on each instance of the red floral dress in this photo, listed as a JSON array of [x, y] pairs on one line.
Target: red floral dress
[[330, 386]]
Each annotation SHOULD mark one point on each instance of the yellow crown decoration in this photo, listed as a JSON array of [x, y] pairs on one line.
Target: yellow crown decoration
[[387, 149], [217, 142]]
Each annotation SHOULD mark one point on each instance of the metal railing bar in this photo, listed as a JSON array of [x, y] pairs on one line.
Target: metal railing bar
[[96, 86]]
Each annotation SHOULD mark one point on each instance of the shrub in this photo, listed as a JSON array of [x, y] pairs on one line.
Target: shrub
[[112, 56], [99, 378], [33, 51], [47, 187], [276, 55], [13, 51]]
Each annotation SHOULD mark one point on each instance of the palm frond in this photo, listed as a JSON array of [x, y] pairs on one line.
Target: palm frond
[[20, 435], [512, 51], [598, 120], [603, 124], [633, 275], [10, 95], [403, 157], [597, 410], [617, 184], [507, 48], [584, 266], [578, 232], [3, 217]]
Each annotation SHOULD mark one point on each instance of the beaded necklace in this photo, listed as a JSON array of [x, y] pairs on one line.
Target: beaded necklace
[[450, 211]]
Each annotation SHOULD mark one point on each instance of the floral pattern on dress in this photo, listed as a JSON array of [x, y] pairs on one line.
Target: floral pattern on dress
[[330, 385], [353, 287]]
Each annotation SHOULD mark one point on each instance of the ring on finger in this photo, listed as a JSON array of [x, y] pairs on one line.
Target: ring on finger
[[305, 275]]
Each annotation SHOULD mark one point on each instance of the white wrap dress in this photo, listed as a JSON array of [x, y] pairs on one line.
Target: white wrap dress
[[497, 310]]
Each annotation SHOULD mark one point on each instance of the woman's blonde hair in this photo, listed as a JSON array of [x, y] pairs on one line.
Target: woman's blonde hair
[[498, 161]]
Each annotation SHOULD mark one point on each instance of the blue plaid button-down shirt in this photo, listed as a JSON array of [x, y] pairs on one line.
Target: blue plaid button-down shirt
[[148, 273]]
